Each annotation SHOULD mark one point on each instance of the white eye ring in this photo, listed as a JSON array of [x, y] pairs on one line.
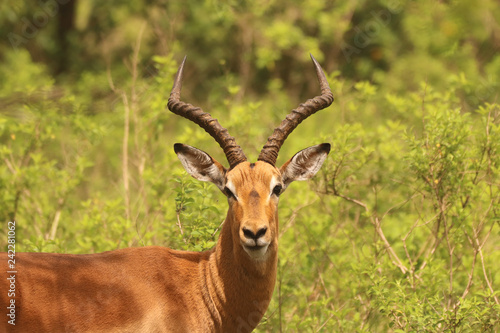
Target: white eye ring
[[230, 191]]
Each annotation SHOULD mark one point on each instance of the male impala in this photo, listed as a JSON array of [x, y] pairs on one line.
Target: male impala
[[156, 289]]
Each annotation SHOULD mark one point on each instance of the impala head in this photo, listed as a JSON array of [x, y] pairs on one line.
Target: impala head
[[252, 189]]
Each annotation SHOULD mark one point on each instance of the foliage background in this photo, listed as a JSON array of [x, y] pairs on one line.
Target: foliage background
[[400, 230]]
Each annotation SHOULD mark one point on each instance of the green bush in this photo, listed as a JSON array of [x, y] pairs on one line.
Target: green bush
[[398, 232]]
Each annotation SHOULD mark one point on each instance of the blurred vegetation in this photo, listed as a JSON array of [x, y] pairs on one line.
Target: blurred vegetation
[[399, 232]]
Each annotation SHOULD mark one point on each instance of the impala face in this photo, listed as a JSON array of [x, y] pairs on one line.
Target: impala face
[[252, 191]]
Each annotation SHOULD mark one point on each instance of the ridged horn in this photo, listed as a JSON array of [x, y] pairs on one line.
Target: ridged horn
[[269, 152], [233, 152]]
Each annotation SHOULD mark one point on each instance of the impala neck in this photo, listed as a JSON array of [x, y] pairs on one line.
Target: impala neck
[[240, 287]]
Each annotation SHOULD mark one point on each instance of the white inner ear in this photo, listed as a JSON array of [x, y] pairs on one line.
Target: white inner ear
[[303, 165], [206, 174], [201, 166]]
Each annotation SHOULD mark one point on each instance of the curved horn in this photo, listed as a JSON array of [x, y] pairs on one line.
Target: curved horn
[[233, 152], [269, 152]]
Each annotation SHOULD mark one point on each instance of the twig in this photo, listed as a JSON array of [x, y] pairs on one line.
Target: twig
[[126, 125], [125, 173], [57, 217], [291, 220], [326, 321], [486, 274], [220, 225], [480, 250], [471, 275], [378, 228], [395, 257], [9, 166], [179, 224]]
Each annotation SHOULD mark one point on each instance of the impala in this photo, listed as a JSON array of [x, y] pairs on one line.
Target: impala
[[156, 289]]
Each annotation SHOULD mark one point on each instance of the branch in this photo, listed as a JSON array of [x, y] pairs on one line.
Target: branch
[[378, 228], [292, 218], [57, 217]]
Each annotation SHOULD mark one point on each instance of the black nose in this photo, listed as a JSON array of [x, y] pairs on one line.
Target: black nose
[[250, 234]]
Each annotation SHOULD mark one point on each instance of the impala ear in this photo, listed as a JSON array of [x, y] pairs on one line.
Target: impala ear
[[305, 164], [200, 165]]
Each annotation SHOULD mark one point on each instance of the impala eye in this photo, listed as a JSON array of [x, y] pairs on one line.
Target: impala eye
[[277, 190], [229, 193]]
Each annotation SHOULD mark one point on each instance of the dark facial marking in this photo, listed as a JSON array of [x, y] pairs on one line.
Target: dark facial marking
[[254, 194]]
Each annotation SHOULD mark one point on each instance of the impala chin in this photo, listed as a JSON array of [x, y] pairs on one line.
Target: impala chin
[[256, 251]]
